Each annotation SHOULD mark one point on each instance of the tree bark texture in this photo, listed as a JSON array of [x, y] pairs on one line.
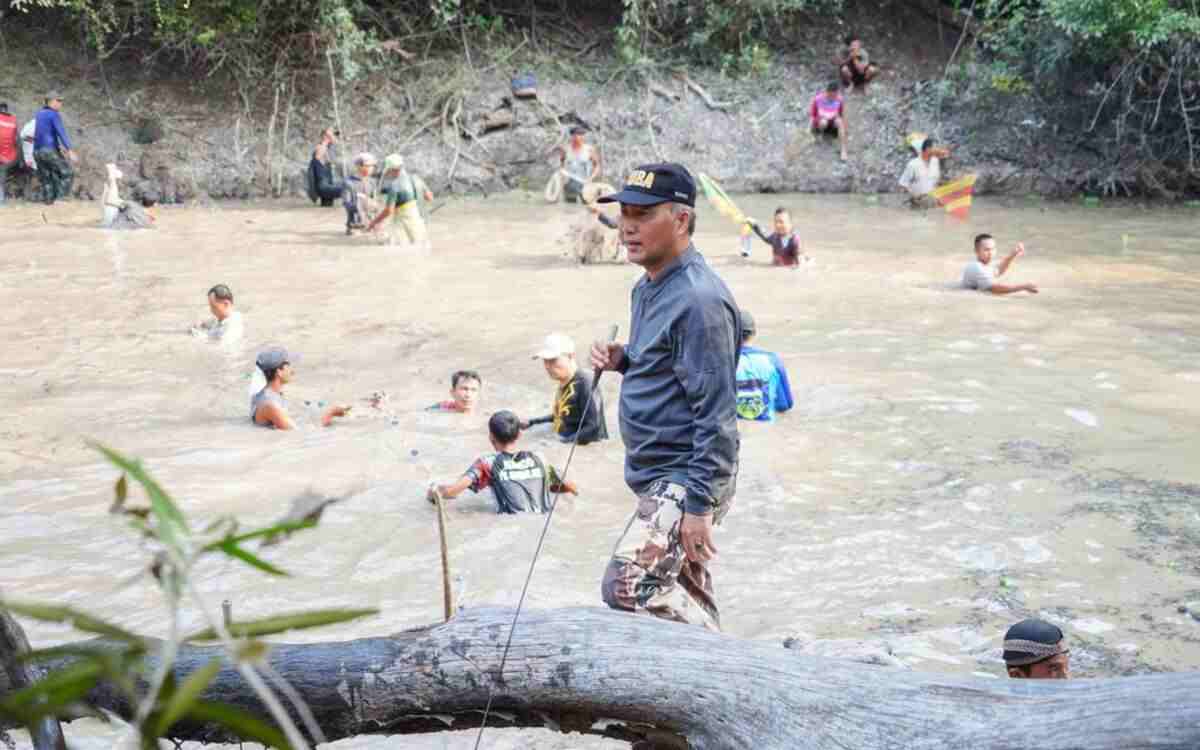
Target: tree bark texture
[[632, 676]]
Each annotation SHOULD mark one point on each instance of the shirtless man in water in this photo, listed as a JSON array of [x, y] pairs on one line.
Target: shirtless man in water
[[267, 408]]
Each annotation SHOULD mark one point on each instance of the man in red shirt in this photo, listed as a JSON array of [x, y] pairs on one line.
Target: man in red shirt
[[828, 115], [10, 146]]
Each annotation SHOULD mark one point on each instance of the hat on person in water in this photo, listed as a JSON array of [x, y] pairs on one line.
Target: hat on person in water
[[54, 94], [651, 184], [393, 161], [748, 327], [1031, 641], [272, 358], [555, 346], [365, 158]]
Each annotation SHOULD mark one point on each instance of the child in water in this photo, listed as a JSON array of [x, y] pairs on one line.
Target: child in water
[[786, 247]]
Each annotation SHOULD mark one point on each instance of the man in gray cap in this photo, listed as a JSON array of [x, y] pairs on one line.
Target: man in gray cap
[[267, 408], [677, 415], [1035, 649], [52, 150]]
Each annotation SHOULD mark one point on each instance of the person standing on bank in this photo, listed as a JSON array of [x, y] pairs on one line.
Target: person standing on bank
[[52, 150], [677, 406]]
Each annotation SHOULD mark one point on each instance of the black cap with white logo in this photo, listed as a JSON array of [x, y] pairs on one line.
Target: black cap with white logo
[[651, 184]]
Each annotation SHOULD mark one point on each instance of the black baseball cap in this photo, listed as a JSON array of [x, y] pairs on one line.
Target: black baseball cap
[[651, 184]]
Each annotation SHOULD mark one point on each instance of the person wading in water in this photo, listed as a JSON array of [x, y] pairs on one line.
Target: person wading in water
[[678, 398]]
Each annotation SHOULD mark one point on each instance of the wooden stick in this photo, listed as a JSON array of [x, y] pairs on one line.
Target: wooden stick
[[447, 593]]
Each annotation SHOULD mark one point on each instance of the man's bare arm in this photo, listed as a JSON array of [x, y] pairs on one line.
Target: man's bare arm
[[1003, 289], [1017, 252], [275, 415], [451, 491]]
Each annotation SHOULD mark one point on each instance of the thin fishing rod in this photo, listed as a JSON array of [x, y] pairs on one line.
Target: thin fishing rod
[[587, 405]]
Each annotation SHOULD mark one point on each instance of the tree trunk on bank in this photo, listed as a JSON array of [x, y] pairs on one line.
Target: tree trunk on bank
[[631, 676]]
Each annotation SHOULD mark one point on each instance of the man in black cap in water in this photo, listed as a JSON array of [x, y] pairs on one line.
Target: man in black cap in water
[[1035, 649], [677, 415], [267, 408]]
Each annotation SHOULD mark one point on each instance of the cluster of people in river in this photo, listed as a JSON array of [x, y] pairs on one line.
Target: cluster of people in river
[[690, 370]]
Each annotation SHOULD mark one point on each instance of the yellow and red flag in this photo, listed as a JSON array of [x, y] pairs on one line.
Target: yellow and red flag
[[956, 196]]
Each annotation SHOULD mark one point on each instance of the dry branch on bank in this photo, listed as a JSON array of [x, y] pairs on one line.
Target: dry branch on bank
[[631, 676]]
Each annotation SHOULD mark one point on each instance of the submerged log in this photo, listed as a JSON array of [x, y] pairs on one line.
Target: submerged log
[[631, 676]]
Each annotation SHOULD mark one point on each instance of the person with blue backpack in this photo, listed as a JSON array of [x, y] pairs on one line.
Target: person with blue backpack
[[762, 382]]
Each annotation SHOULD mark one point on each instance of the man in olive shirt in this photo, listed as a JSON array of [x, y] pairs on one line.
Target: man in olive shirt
[[678, 396], [401, 192]]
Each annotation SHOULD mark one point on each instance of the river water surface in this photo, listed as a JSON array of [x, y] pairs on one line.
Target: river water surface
[[955, 461]]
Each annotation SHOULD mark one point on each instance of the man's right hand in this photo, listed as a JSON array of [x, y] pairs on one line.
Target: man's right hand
[[1031, 288], [607, 355]]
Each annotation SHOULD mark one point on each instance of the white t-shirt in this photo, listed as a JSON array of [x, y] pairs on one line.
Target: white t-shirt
[[27, 133], [578, 163], [978, 276], [919, 177], [226, 331]]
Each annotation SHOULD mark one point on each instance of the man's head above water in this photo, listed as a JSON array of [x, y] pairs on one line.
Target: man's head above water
[[557, 353], [1036, 649], [985, 247], [276, 365], [465, 386], [220, 301]]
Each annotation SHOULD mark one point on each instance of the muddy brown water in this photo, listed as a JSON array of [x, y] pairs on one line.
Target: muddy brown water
[[954, 462]]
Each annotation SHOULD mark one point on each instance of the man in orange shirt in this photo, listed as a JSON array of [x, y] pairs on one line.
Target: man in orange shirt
[[10, 146]]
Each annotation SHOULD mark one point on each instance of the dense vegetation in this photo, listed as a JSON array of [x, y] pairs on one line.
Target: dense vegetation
[[1120, 77]]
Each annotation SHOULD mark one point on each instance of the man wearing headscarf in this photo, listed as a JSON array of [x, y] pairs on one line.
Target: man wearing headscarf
[[1035, 649]]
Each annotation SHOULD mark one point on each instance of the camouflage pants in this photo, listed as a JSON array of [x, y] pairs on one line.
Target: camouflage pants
[[55, 173], [649, 571]]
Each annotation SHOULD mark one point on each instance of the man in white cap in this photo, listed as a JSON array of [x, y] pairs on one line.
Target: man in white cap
[[356, 193], [267, 408], [571, 422], [401, 192]]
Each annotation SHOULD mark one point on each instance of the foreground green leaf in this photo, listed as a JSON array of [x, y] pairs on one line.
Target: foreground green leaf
[[172, 526], [186, 696], [73, 617], [51, 695], [286, 527], [238, 553], [283, 623], [247, 727]]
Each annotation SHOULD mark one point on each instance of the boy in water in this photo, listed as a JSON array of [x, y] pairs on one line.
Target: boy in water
[[786, 246], [465, 386], [521, 481]]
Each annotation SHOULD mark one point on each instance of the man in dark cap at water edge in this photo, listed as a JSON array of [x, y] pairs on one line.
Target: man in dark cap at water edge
[[677, 408], [1036, 649]]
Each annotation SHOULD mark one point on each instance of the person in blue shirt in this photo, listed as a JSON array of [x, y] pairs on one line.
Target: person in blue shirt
[[52, 150], [762, 381]]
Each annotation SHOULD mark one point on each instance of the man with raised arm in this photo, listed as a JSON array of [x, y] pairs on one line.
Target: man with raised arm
[[978, 273], [677, 408]]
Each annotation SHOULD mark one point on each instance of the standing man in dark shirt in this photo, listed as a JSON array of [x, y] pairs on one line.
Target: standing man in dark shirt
[[678, 396], [52, 150], [571, 422], [325, 187]]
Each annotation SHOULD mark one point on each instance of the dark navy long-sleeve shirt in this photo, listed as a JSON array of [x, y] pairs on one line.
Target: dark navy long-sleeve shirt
[[677, 411], [49, 133]]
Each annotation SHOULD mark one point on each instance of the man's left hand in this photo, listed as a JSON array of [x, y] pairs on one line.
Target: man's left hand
[[695, 532], [1019, 250]]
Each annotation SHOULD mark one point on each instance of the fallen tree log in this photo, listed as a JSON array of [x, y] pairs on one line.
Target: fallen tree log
[[631, 676]]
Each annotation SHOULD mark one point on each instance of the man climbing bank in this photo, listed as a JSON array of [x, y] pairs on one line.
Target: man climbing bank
[[678, 395]]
